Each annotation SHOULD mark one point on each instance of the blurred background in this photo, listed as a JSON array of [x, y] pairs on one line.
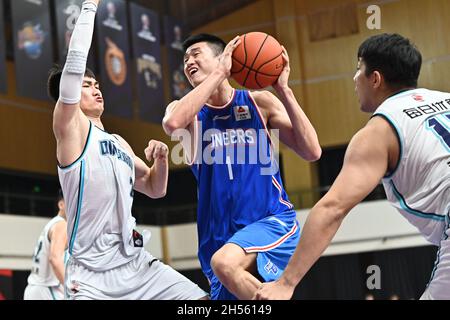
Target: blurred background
[[322, 38]]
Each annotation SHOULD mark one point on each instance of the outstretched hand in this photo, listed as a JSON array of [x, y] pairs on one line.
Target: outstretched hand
[[283, 79], [225, 60], [274, 291]]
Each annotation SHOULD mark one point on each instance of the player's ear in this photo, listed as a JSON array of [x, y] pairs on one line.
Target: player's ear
[[377, 78]]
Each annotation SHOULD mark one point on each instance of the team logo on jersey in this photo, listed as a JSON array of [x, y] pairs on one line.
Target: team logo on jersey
[[271, 267], [75, 286], [242, 113], [137, 239], [221, 117], [418, 97]]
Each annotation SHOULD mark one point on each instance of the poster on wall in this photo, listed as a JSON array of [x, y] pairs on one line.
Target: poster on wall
[[146, 44], [33, 53], [114, 57], [174, 34], [6, 286], [3, 75], [66, 13]]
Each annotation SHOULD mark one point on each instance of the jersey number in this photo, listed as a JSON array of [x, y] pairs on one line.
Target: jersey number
[[132, 191], [37, 252], [441, 127], [230, 168]]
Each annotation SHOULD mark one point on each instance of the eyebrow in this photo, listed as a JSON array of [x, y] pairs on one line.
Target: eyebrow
[[190, 52], [89, 82]]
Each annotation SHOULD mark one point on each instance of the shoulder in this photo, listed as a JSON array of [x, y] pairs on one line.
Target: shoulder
[[58, 228], [377, 135], [263, 97], [378, 125]]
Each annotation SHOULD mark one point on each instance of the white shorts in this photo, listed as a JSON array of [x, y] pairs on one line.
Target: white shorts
[[439, 286], [144, 278], [37, 292]]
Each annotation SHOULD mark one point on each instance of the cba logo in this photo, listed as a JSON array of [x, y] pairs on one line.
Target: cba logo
[[270, 267], [116, 66], [30, 39]]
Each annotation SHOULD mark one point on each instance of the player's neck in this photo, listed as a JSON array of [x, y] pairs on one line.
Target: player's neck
[[62, 214], [222, 95], [97, 122]]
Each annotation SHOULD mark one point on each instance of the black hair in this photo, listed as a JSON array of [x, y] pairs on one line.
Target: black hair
[[395, 57], [54, 78], [215, 43], [59, 197]]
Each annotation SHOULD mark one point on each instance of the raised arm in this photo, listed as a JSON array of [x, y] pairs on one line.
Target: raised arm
[[58, 244], [70, 126], [180, 113], [295, 129], [366, 162], [151, 181]]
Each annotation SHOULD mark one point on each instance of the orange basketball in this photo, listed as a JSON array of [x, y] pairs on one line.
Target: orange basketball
[[257, 60]]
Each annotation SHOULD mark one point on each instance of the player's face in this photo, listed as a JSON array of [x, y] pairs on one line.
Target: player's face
[[363, 88], [199, 62], [91, 98]]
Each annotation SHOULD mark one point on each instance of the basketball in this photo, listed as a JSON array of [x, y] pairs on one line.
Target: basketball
[[257, 60]]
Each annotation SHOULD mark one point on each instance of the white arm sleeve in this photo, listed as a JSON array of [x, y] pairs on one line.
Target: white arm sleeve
[[75, 66]]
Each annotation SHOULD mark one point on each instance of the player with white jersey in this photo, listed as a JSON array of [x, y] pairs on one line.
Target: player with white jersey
[[98, 172], [419, 186], [406, 144], [46, 280]]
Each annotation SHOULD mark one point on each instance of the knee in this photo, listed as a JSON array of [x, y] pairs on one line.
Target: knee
[[222, 265]]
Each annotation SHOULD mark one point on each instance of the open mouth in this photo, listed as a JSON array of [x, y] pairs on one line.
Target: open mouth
[[192, 71]]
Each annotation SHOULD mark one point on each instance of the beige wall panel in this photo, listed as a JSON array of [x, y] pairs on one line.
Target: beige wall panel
[[257, 16], [334, 111]]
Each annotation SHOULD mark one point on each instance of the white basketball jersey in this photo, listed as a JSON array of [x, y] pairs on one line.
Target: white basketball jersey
[[420, 185], [98, 191], [41, 270]]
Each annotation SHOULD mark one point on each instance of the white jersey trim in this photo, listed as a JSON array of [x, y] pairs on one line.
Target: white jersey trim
[[82, 153], [79, 203], [417, 213], [399, 137]]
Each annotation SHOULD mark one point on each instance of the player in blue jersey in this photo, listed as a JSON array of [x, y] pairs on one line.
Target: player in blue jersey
[[247, 228]]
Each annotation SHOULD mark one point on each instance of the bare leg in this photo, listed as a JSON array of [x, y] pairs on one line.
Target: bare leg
[[235, 269]]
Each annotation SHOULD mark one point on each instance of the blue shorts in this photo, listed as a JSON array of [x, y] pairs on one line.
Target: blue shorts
[[273, 239]]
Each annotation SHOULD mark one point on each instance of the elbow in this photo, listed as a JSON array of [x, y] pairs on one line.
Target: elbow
[[170, 124], [162, 193], [158, 195], [316, 154], [53, 259], [312, 155], [333, 210]]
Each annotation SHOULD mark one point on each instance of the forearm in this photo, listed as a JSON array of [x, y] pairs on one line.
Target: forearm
[[307, 142], [58, 268], [159, 175], [75, 66], [189, 106], [319, 229]]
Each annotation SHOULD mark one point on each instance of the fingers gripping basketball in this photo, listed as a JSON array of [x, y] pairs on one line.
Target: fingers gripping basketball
[[257, 60]]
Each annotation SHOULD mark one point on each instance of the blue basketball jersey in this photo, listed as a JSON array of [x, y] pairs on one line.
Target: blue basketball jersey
[[237, 174]]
